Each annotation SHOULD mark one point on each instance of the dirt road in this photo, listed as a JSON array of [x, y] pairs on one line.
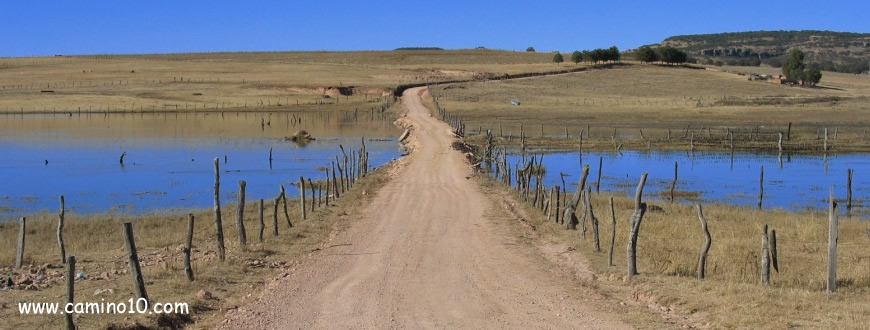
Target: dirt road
[[423, 255]]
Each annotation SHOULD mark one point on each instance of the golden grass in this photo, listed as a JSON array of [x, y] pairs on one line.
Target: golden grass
[[731, 295], [656, 99], [240, 81]]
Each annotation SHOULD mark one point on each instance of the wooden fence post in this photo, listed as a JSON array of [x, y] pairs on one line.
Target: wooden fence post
[[557, 217], [596, 246], [634, 228], [570, 218], [849, 173], [133, 258], [825, 146], [240, 216], [334, 182], [674, 183], [833, 236], [765, 257], [779, 144], [773, 253], [60, 220], [22, 231], [275, 216], [702, 258], [188, 245], [600, 168], [313, 193], [217, 211], [326, 199], [612, 233], [70, 290], [761, 187], [283, 197], [788, 133], [302, 197], [262, 223]]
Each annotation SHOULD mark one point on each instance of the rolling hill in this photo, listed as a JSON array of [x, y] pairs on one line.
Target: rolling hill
[[833, 51]]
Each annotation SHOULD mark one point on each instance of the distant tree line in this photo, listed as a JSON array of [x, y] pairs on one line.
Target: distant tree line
[[665, 54], [595, 56]]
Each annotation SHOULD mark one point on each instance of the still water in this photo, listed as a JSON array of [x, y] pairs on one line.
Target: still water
[[169, 161], [799, 182]]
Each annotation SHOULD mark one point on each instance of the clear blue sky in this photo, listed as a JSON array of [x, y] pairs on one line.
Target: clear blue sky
[[47, 27]]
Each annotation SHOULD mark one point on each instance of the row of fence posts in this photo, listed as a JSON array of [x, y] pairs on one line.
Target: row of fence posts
[[349, 169], [528, 183], [456, 123], [223, 106]]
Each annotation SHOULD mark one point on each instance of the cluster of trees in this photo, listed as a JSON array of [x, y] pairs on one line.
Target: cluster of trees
[[666, 54], [794, 69], [592, 56]]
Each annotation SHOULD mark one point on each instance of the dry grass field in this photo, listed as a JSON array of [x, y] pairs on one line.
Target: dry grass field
[[731, 296], [631, 98], [239, 81]]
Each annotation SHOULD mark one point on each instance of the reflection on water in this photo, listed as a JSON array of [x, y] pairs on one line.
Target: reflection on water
[[797, 182], [169, 161]]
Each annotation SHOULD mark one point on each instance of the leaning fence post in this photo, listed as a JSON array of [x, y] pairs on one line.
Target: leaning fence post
[[849, 173], [302, 197], [833, 236], [570, 218], [262, 222], [70, 289], [702, 258], [600, 168], [674, 183], [188, 245], [275, 216], [283, 197], [133, 258], [761, 188], [313, 194], [765, 257], [634, 228], [773, 253], [612, 234], [240, 217], [60, 220], [596, 246], [779, 144], [22, 231], [217, 211]]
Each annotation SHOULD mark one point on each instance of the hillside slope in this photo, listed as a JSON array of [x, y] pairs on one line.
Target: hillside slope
[[833, 51]]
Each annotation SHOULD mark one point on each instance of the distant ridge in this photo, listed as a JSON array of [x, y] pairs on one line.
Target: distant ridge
[[419, 48], [833, 51]]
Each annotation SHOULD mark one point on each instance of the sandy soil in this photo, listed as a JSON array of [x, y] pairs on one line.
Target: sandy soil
[[423, 254]]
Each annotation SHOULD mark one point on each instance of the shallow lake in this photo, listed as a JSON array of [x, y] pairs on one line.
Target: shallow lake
[[169, 161], [801, 182]]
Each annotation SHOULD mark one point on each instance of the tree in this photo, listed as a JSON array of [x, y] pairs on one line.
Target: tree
[[597, 55], [587, 55], [613, 53], [576, 57], [646, 54], [671, 55], [530, 49], [793, 67], [812, 75], [557, 58]]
